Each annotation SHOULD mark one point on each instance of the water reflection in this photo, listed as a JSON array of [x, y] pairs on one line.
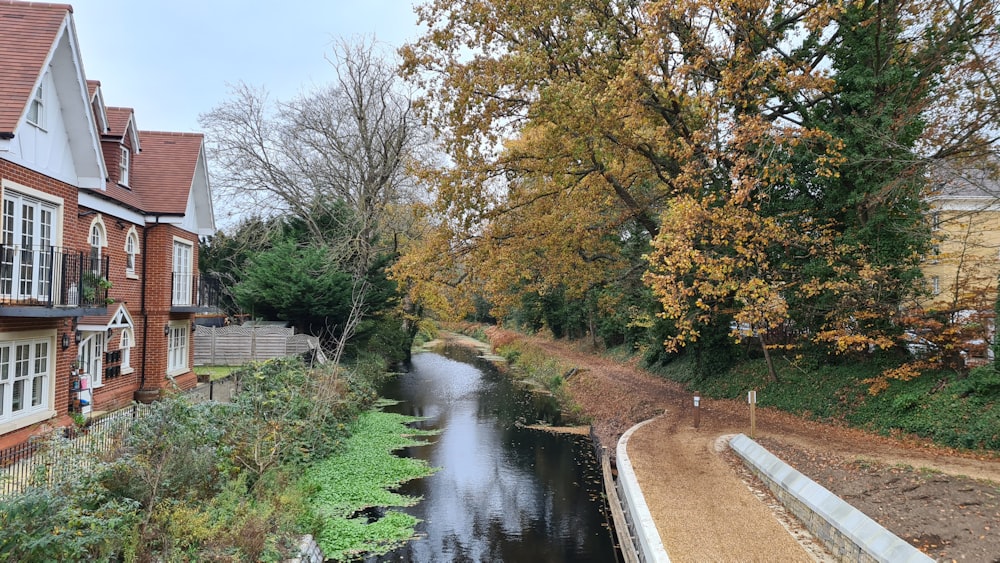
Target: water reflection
[[504, 493]]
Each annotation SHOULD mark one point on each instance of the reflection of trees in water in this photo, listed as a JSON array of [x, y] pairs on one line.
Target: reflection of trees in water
[[504, 492]]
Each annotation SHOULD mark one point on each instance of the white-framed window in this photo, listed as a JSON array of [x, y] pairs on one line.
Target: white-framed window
[[123, 166], [183, 276], [36, 108], [935, 220], [935, 285], [125, 346], [98, 239], [131, 251], [27, 236], [91, 356], [25, 378], [177, 347]]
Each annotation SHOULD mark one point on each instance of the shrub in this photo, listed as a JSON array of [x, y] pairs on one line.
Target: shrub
[[70, 522]]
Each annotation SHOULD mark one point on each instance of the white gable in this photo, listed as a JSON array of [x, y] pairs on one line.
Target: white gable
[[64, 142], [199, 215]]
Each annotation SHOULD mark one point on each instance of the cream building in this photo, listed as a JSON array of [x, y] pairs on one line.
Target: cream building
[[961, 271]]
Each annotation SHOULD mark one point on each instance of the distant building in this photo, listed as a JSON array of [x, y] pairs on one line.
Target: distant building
[[962, 268]]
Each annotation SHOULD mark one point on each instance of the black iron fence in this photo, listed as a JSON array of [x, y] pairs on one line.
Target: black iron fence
[[42, 461], [49, 276], [47, 460]]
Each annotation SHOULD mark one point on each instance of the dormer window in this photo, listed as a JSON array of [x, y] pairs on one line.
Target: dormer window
[[36, 109], [123, 165]]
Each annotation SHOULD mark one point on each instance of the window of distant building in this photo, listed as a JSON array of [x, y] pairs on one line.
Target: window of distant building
[[27, 236], [26, 391], [935, 220], [177, 347], [98, 239], [127, 342], [183, 272], [936, 285]]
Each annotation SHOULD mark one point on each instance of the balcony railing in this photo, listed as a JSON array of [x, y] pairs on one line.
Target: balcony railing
[[52, 277], [190, 291]]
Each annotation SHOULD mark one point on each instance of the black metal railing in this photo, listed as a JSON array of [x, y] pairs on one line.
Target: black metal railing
[[85, 282], [49, 276], [192, 290], [38, 462]]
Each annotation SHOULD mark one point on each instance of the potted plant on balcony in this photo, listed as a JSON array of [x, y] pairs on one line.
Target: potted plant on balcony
[[91, 283]]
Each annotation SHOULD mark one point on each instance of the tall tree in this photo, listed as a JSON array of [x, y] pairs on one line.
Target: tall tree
[[772, 151], [345, 145]]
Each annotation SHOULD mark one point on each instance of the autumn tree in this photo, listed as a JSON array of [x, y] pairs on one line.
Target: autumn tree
[[543, 193], [772, 154]]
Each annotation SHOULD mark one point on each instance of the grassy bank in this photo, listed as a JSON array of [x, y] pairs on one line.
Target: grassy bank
[[297, 451], [953, 411]]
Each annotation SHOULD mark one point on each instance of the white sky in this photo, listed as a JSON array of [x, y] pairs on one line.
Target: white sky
[[171, 60]]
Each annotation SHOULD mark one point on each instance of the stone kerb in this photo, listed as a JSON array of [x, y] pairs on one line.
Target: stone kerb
[[846, 531], [641, 524]]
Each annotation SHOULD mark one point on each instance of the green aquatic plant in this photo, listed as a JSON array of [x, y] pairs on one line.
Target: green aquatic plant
[[358, 478]]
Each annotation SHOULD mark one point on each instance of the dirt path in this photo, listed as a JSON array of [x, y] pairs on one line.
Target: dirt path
[[698, 497]]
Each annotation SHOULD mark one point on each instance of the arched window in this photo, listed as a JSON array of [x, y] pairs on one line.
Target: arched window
[[98, 239], [131, 251], [127, 342]]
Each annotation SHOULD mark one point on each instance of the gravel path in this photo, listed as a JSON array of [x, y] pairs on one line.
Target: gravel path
[[703, 510]]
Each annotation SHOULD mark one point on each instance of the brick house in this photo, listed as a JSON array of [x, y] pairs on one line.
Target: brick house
[[98, 239]]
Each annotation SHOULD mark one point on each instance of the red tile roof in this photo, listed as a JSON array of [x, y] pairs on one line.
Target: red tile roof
[[117, 192], [118, 121], [92, 86], [163, 173], [27, 35]]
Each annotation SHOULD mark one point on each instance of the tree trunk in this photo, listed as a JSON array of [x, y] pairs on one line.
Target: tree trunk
[[767, 358]]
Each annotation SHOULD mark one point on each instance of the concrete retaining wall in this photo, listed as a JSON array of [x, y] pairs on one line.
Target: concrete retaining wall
[[640, 520], [847, 532]]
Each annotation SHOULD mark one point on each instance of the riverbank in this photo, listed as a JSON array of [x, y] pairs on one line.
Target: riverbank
[[946, 515]]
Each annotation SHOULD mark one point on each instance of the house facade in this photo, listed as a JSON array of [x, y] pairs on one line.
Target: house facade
[[961, 270], [99, 233]]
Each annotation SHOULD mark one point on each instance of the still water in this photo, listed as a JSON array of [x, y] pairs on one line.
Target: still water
[[503, 493]]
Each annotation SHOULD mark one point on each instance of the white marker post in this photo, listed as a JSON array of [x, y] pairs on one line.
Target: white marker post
[[752, 399], [697, 410]]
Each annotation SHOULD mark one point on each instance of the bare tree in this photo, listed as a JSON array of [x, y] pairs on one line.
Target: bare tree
[[343, 146]]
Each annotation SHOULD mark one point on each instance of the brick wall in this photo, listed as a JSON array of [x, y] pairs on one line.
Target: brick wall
[[158, 253], [71, 239]]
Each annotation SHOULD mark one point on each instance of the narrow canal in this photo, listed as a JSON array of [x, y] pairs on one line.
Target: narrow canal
[[503, 493]]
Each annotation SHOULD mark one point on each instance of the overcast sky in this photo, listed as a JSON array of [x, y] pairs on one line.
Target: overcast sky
[[171, 60]]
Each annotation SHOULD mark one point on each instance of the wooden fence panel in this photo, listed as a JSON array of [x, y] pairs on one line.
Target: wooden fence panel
[[235, 345]]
